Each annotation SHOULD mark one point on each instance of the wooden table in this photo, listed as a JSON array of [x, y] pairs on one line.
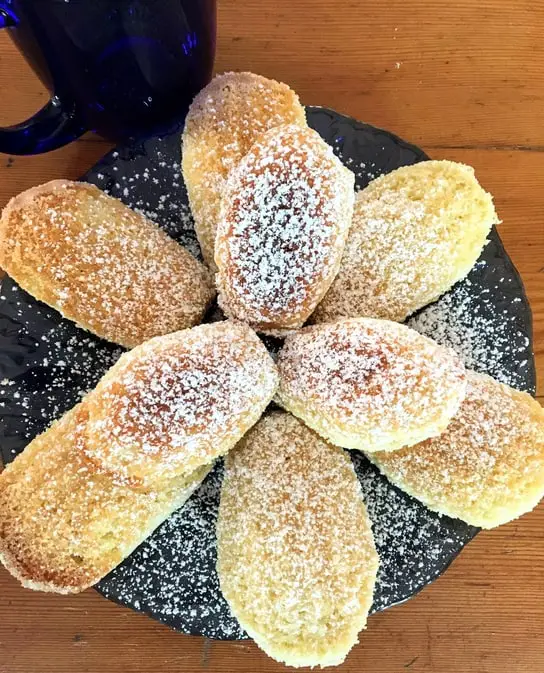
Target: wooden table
[[465, 80]]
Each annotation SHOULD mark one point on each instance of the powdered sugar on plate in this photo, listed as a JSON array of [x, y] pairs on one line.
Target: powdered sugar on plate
[[153, 188], [47, 364], [476, 321], [414, 544], [172, 576]]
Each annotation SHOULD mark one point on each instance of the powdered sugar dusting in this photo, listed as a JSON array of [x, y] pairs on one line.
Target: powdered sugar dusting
[[179, 401], [487, 467], [223, 122], [100, 264], [157, 193], [151, 185], [64, 524], [415, 232], [54, 365], [285, 216], [289, 571], [364, 171], [414, 544], [369, 384], [172, 575], [470, 320]]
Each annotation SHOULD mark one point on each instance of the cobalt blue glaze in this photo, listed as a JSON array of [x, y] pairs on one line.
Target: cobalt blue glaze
[[126, 69]]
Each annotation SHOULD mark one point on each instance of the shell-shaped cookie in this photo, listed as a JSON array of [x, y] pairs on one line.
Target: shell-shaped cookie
[[487, 467], [285, 216], [415, 232], [178, 402], [296, 556], [367, 384], [223, 122], [100, 264]]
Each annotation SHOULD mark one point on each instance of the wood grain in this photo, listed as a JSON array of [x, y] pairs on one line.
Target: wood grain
[[465, 80]]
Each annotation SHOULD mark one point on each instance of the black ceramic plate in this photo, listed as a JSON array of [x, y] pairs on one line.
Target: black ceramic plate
[[46, 364]]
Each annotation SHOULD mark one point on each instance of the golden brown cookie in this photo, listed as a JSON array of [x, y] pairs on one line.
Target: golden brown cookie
[[285, 216], [415, 232], [369, 384], [296, 556], [86, 492], [223, 122], [100, 264], [487, 467]]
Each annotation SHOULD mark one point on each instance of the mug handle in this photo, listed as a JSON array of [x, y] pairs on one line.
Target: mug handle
[[53, 126]]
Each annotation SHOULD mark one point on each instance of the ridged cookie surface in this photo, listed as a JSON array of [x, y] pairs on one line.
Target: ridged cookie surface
[[369, 384], [285, 216], [223, 122], [100, 264], [487, 467], [415, 232], [296, 556]]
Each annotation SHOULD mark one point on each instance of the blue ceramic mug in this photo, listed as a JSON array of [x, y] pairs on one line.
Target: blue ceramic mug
[[123, 68]]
